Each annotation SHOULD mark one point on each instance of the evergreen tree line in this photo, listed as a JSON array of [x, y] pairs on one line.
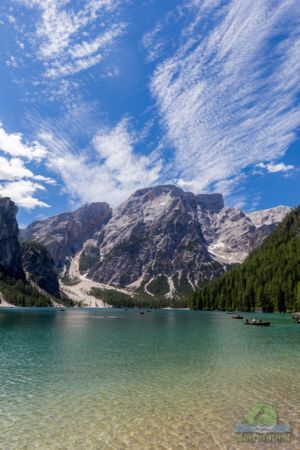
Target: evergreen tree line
[[269, 279], [20, 293], [121, 300]]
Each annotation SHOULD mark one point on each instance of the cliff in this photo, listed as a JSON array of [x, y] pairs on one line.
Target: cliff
[[10, 251]]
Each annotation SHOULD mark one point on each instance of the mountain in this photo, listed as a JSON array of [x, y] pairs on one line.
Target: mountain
[[39, 267], [161, 241], [10, 251], [269, 279], [64, 234], [154, 242], [232, 234], [164, 240], [27, 274]]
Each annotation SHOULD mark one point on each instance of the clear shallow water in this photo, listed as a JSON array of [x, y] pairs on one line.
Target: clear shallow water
[[162, 380]]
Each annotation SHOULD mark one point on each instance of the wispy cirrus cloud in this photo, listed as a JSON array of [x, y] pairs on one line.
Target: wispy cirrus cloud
[[109, 169], [71, 40], [225, 84], [153, 43], [227, 97]]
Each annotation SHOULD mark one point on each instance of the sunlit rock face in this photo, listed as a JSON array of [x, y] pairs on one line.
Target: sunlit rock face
[[161, 241], [64, 234], [163, 237], [232, 234], [10, 252], [155, 237]]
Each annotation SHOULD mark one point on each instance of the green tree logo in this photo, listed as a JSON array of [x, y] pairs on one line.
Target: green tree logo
[[262, 414]]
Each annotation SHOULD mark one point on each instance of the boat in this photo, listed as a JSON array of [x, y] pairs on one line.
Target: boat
[[237, 316], [258, 322]]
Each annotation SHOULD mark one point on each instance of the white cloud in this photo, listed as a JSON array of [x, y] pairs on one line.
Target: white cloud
[[16, 180], [110, 170], [227, 97], [22, 193], [88, 48], [61, 34], [13, 169], [153, 43], [14, 145], [115, 146], [46, 180], [20, 44], [12, 62], [11, 19], [275, 168], [72, 67]]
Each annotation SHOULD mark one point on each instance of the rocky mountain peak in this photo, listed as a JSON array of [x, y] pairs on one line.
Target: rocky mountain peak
[[156, 234], [161, 240], [211, 202], [65, 234], [168, 237], [154, 191], [153, 201]]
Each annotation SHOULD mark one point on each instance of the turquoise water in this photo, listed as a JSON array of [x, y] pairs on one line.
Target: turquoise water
[[162, 380]]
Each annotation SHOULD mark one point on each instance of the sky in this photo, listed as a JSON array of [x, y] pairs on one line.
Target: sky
[[99, 98]]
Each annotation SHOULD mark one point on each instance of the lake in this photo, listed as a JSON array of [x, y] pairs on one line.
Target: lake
[[167, 379]]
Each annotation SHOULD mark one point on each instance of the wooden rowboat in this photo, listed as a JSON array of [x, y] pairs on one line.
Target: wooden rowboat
[[258, 323]]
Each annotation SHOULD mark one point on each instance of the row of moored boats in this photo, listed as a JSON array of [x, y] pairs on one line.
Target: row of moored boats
[[261, 322]]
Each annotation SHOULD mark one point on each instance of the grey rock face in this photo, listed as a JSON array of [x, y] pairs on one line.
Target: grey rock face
[[167, 236], [232, 234], [63, 235], [161, 240], [211, 202], [10, 252], [157, 233], [267, 217]]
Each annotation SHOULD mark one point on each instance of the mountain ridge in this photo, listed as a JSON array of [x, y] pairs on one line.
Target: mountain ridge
[[64, 234], [160, 240]]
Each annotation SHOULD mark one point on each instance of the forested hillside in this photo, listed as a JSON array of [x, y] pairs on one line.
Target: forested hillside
[[269, 279]]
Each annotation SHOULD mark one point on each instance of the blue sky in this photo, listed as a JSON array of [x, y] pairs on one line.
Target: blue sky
[[99, 98]]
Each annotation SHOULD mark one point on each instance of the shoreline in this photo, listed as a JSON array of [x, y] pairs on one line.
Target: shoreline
[[5, 305]]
